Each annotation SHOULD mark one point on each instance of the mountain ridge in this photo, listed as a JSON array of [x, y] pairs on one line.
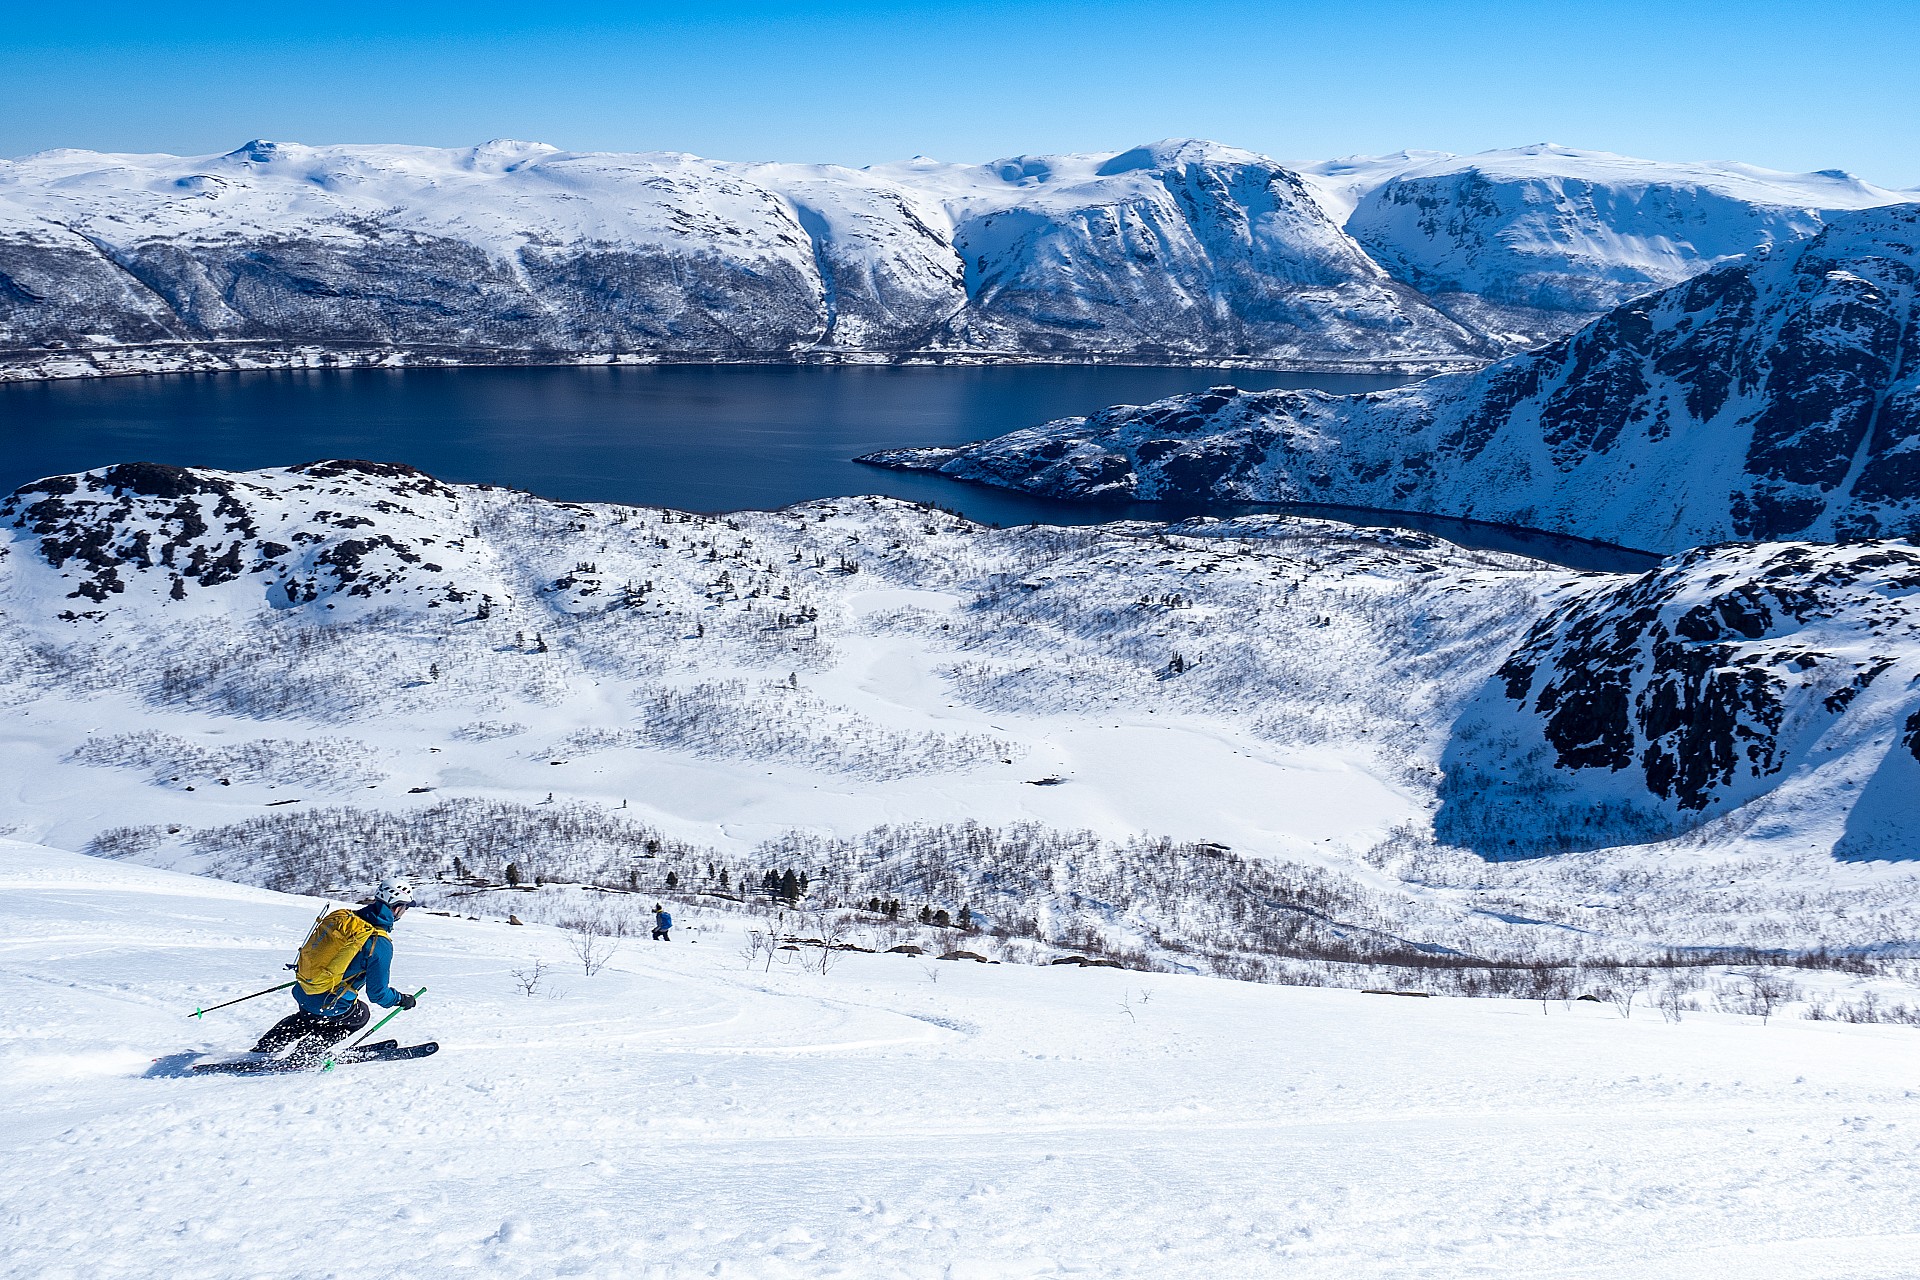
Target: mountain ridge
[[1181, 251], [1533, 242], [1175, 252]]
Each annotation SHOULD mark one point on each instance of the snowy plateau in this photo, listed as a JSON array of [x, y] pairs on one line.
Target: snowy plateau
[[1183, 251], [1166, 807]]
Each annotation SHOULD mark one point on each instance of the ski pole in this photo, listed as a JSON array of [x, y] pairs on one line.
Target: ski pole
[[328, 1064], [269, 991]]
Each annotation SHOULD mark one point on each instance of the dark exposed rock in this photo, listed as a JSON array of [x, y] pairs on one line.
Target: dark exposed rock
[[1654, 702], [177, 528]]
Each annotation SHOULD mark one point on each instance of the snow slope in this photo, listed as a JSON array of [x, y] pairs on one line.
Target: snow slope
[[1772, 397], [1134, 738], [1532, 242], [518, 251], [679, 1114]]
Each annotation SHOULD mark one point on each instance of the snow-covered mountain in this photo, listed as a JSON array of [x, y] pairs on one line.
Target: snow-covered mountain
[[1775, 396], [1131, 738], [279, 253], [1533, 242], [518, 251]]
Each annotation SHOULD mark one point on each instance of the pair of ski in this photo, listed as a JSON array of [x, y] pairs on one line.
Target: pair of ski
[[252, 1065], [358, 1051]]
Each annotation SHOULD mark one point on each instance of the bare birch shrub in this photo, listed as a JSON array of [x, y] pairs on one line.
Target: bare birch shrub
[[594, 949]]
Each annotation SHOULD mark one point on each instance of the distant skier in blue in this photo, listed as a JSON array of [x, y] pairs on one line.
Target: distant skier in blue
[[661, 923]]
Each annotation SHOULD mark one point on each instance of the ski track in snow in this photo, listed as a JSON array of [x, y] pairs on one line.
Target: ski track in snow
[[677, 1114]]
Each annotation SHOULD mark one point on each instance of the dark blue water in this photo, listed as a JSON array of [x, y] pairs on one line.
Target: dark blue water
[[701, 438]]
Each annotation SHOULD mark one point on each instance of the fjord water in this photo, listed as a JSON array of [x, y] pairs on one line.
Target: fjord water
[[696, 437]]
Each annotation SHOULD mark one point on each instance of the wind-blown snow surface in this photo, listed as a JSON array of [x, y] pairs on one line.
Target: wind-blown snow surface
[[515, 250], [1776, 396], [1531, 243], [290, 676], [679, 1114]]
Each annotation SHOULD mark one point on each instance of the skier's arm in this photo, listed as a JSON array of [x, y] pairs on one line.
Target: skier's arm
[[379, 962]]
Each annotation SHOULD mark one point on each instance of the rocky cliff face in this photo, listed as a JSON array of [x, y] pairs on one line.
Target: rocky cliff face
[[516, 251], [1653, 704], [1777, 396], [1174, 250]]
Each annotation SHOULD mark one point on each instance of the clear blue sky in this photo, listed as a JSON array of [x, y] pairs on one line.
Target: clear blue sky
[[1802, 85]]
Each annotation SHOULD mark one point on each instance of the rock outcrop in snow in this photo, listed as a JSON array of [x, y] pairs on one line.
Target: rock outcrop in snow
[[1777, 396], [516, 251], [330, 534], [1646, 707]]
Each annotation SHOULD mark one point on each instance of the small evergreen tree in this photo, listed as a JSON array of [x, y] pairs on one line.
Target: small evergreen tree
[[926, 915], [790, 886], [723, 878], [966, 917], [673, 880], [513, 873], [942, 919]]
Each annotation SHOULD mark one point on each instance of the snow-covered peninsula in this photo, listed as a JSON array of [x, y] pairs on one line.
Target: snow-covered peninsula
[[1777, 395]]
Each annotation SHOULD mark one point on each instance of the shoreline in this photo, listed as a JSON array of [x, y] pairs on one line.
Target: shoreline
[[249, 355], [1463, 531]]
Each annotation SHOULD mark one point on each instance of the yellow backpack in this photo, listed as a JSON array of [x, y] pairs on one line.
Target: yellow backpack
[[321, 968]]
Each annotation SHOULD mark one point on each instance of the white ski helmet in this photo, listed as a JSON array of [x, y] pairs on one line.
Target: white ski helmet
[[395, 891]]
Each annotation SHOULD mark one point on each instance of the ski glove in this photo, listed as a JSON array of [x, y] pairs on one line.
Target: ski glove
[[406, 1001]]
